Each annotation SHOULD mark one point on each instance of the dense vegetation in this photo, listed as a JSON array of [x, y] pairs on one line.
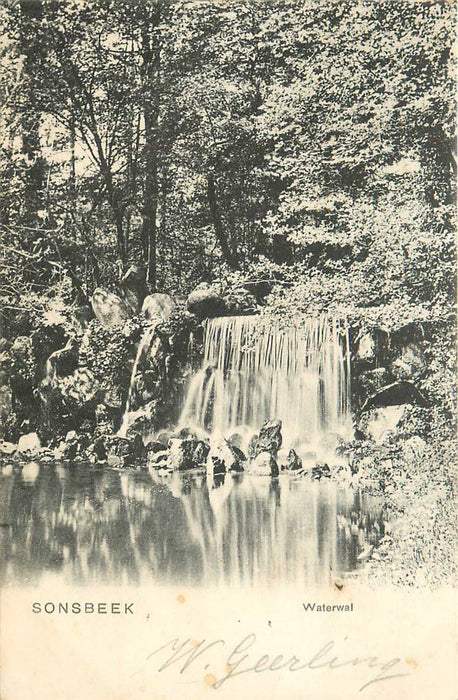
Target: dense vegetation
[[310, 143]]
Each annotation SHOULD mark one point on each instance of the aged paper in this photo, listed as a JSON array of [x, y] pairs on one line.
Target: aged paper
[[154, 584]]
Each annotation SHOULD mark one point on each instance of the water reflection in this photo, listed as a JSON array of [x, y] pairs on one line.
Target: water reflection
[[104, 526]]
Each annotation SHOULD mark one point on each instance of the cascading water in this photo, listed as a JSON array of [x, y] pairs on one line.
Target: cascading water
[[143, 348], [251, 374]]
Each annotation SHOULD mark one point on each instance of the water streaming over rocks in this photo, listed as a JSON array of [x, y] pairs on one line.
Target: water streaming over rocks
[[251, 373], [142, 349]]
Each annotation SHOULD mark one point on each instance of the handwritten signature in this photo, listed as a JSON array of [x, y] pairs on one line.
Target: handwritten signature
[[243, 659]]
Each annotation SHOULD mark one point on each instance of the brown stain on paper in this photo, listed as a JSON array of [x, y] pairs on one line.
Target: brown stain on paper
[[210, 680], [410, 661]]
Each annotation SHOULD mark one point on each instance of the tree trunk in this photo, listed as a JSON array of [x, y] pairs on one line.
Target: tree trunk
[[228, 255], [31, 12], [151, 97]]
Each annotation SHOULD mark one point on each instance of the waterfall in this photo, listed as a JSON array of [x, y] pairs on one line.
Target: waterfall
[[251, 374], [143, 348]]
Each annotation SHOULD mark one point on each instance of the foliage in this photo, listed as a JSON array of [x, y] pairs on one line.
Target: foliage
[[109, 353]]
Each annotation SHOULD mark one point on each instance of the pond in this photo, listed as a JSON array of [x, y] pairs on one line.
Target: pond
[[81, 525]]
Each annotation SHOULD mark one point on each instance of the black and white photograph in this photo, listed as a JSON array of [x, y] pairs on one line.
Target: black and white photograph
[[227, 349]]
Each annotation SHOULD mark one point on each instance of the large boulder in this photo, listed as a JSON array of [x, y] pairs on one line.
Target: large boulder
[[264, 464], [396, 394], [186, 454], [29, 443], [224, 457], [205, 301], [269, 439], [109, 309], [158, 307]]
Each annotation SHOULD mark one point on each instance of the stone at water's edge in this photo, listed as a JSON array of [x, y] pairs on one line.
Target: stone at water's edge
[[123, 452], [224, 457], [7, 448], [109, 309], [269, 439], [293, 461], [320, 471], [29, 443], [158, 307], [205, 301], [186, 454], [264, 464]]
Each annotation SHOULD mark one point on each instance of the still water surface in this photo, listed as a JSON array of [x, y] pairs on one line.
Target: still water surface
[[81, 525]]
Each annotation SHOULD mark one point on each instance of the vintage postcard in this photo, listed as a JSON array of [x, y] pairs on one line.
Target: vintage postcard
[[227, 349]]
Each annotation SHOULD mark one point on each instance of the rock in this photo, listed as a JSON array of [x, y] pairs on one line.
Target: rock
[[239, 301], [365, 554], [62, 362], [224, 457], [396, 394], [235, 440], [320, 470], [366, 348], [372, 347], [293, 461], [153, 447], [68, 449], [7, 448], [80, 388], [99, 449], [109, 309], [239, 453], [372, 380], [123, 452], [264, 464], [269, 439], [164, 436], [383, 421], [157, 460], [409, 363], [158, 307], [29, 443], [187, 434], [186, 454], [142, 421], [205, 301], [252, 446]]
